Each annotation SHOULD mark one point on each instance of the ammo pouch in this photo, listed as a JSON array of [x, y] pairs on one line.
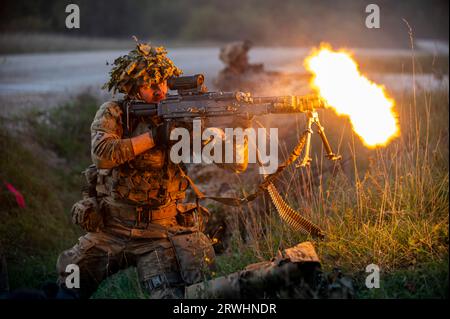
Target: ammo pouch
[[195, 256], [189, 216], [87, 214]]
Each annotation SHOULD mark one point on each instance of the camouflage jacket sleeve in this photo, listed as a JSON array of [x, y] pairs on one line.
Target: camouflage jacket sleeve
[[108, 149]]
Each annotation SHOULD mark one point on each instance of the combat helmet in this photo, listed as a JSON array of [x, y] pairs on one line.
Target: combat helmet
[[145, 65]]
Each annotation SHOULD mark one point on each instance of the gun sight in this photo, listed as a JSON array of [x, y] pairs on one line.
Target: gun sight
[[184, 84]]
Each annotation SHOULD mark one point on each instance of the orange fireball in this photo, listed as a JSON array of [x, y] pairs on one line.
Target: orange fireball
[[337, 79]]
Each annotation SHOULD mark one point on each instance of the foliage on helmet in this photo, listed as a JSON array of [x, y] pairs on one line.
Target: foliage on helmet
[[145, 65]]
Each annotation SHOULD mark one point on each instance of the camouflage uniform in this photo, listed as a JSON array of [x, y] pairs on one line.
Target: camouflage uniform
[[142, 220]]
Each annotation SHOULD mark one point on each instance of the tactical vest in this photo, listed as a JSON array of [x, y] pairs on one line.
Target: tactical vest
[[149, 179]]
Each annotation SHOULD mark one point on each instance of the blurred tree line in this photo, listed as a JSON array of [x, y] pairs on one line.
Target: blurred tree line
[[288, 22]]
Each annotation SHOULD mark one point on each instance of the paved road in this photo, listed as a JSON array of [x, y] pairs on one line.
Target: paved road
[[47, 79], [57, 72]]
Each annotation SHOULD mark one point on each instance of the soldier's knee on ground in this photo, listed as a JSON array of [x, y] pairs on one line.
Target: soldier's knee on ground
[[162, 260], [158, 272], [66, 258], [88, 263]]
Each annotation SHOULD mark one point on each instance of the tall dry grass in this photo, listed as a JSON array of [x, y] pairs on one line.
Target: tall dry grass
[[387, 206]]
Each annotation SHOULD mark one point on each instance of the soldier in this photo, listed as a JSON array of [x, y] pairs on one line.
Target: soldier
[[235, 56], [237, 71], [133, 211], [239, 74]]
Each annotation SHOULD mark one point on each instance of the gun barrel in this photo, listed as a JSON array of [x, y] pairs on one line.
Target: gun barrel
[[309, 102], [226, 104], [292, 103]]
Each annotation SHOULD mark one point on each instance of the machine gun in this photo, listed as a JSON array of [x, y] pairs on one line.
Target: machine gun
[[193, 101]]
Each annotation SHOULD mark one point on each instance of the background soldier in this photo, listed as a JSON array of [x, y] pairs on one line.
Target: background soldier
[[237, 71], [132, 210]]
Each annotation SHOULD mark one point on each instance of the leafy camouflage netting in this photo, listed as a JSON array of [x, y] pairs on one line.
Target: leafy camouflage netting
[[145, 65]]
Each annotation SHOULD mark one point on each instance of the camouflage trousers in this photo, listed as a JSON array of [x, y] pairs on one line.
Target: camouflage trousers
[[167, 256]]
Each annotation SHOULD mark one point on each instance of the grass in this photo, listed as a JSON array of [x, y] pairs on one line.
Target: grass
[[123, 285], [428, 280], [43, 162], [428, 63], [31, 237], [387, 206], [66, 129]]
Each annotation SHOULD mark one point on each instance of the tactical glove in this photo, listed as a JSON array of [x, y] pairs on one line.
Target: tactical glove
[[161, 133]]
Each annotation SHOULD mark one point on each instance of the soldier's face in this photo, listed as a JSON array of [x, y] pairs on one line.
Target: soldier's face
[[154, 93]]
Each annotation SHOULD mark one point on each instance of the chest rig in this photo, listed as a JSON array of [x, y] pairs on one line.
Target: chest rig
[[150, 178]]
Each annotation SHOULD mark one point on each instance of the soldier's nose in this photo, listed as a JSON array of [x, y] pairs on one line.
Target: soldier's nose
[[157, 94]]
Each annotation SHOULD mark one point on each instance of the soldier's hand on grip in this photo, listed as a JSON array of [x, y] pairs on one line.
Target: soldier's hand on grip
[[161, 133]]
